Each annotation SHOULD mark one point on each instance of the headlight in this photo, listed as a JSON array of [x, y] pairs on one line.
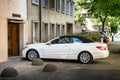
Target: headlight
[[25, 47]]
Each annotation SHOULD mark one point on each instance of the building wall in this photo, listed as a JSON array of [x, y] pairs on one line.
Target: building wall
[[8, 7], [48, 17], [53, 16], [56, 17], [3, 39], [33, 16], [14, 10]]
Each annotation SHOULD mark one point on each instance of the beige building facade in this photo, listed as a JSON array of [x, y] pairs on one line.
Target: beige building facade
[[33, 21], [25, 21], [57, 18], [13, 26]]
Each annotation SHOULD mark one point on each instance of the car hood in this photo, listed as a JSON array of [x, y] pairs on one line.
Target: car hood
[[36, 44]]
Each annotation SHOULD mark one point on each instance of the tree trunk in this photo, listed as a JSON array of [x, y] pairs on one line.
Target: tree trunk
[[103, 22], [103, 26]]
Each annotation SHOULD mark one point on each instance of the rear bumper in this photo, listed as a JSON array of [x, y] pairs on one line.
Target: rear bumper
[[100, 55]]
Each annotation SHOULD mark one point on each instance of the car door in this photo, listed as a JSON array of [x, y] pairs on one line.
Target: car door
[[76, 47], [58, 48]]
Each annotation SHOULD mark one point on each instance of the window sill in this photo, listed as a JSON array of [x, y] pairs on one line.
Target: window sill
[[35, 3], [58, 10], [68, 13], [45, 6], [52, 8], [63, 12]]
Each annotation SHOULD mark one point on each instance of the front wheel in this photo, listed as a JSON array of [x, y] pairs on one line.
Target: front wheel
[[85, 57], [32, 54]]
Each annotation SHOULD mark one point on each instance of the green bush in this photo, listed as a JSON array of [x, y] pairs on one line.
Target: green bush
[[93, 36]]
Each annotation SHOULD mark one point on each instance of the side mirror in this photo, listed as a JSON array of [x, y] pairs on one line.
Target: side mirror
[[48, 43]]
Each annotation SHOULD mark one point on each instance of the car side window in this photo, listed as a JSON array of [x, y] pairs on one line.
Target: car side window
[[76, 40], [54, 41], [64, 40]]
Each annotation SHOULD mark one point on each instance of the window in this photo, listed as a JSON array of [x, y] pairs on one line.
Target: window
[[69, 28], [63, 5], [57, 30], [67, 7], [71, 8], [44, 3], [52, 31], [45, 32], [63, 30], [35, 2], [35, 32], [52, 4], [58, 5]]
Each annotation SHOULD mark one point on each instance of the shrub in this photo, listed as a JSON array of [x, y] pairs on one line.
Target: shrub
[[93, 36]]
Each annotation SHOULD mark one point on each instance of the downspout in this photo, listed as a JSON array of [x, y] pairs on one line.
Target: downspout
[[40, 20]]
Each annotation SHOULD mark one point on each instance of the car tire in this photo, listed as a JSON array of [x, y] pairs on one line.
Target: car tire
[[32, 54], [85, 57]]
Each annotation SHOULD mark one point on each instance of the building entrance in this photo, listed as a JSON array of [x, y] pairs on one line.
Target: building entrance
[[13, 39]]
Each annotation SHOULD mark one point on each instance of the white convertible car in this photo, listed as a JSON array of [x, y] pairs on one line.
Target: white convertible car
[[67, 47]]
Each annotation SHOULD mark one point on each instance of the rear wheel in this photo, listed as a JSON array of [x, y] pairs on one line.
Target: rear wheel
[[85, 57], [32, 54]]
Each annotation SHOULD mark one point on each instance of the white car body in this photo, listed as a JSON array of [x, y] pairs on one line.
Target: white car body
[[66, 51]]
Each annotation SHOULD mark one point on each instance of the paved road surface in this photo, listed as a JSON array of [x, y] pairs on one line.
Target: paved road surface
[[107, 69]]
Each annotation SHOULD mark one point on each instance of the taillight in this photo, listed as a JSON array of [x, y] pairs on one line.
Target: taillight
[[105, 37], [101, 47]]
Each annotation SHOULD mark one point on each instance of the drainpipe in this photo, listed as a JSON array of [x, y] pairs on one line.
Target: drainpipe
[[40, 20]]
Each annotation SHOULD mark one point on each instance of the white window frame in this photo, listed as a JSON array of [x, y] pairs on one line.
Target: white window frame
[[71, 8], [34, 2], [52, 30], [67, 7], [35, 31], [58, 5], [63, 6], [58, 30], [46, 32]]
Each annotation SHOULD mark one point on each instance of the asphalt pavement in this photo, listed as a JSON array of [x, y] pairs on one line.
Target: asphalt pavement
[[106, 69]]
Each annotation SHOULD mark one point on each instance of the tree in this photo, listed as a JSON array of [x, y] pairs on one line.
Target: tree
[[114, 23], [101, 9], [78, 15]]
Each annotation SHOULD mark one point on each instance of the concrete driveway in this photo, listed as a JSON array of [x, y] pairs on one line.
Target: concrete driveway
[[107, 69]]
